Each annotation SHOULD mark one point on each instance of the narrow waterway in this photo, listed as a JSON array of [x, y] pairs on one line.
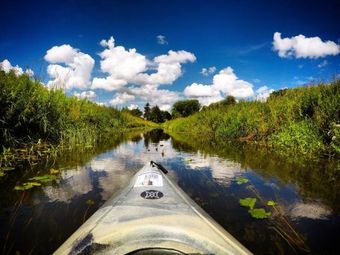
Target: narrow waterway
[[305, 219]]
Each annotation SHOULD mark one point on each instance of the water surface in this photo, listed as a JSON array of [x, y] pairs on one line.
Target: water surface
[[306, 220]]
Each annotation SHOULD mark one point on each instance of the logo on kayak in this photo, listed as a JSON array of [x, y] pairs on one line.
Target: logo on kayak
[[151, 194]]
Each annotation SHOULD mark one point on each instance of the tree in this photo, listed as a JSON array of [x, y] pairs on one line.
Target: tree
[[229, 100], [147, 111], [156, 115], [185, 108], [166, 116], [136, 112]]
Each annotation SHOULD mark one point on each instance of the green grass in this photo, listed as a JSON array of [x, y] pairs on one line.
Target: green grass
[[300, 120], [29, 112]]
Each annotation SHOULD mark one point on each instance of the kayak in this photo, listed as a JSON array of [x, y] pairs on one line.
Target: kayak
[[152, 215]]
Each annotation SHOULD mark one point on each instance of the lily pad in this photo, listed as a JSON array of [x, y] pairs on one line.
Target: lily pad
[[241, 180], [259, 213], [271, 203], [2, 174], [248, 202]]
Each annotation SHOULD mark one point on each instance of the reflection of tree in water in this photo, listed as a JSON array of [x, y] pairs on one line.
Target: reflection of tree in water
[[155, 136], [180, 146], [136, 138], [317, 179]]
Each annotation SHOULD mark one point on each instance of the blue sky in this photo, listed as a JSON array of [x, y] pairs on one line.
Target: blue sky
[[235, 38]]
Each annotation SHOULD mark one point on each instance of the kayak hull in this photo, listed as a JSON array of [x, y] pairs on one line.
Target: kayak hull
[[151, 212]]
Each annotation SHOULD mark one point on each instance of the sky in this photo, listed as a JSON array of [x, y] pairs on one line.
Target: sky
[[126, 53]]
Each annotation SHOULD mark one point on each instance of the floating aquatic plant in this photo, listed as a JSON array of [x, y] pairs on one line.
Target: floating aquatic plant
[[43, 178], [271, 203], [241, 180], [248, 202], [259, 213], [27, 185], [37, 180]]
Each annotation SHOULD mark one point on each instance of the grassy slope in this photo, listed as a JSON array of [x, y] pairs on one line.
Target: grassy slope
[[304, 120], [29, 112]]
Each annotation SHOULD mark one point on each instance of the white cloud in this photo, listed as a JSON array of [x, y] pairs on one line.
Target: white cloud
[[304, 47], [29, 72], [161, 97], [263, 93], [119, 63], [208, 71], [75, 71], [86, 95], [132, 75], [200, 90], [323, 64], [108, 83], [6, 66], [132, 106], [224, 83], [161, 39], [129, 67], [174, 57], [122, 98]]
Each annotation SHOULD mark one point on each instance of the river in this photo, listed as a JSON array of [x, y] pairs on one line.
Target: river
[[305, 219]]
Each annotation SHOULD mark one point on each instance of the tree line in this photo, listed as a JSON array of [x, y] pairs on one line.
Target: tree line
[[182, 108]]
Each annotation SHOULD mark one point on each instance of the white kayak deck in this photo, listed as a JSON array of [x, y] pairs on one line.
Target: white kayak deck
[[151, 212]]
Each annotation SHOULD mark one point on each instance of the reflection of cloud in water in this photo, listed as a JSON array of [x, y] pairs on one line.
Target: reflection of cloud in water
[[74, 183], [222, 170], [142, 155], [116, 167], [116, 175], [312, 211], [108, 164]]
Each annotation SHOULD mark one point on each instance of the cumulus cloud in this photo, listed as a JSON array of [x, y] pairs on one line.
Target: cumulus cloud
[[263, 93], [161, 39], [224, 83], [119, 63], [129, 67], [133, 75], [132, 106], [108, 83], [208, 71], [6, 66], [304, 47], [121, 98], [90, 95], [75, 71]]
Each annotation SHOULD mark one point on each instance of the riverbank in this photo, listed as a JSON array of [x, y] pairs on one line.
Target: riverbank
[[36, 121], [303, 120]]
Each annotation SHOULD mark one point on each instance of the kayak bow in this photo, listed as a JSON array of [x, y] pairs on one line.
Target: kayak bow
[[152, 215]]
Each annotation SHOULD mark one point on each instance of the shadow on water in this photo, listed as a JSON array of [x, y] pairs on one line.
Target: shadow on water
[[39, 220]]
